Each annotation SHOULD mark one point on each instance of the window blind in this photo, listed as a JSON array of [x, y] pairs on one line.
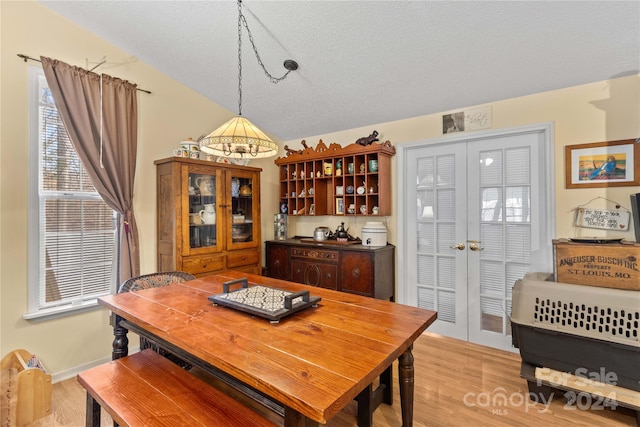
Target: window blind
[[76, 238]]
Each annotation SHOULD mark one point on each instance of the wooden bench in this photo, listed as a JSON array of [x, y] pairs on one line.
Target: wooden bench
[[145, 389]]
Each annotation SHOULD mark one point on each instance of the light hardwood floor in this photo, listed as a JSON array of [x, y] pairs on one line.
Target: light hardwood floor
[[455, 384]]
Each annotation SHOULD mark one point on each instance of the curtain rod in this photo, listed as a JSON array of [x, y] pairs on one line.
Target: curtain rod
[[25, 58]]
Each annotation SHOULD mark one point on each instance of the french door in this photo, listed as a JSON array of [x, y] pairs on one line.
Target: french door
[[475, 217]]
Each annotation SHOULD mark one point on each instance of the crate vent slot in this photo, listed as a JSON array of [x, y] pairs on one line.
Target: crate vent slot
[[582, 317]]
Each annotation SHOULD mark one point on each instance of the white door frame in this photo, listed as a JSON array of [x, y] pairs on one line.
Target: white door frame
[[546, 129]]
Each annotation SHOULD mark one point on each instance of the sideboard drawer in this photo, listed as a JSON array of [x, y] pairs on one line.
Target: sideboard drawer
[[240, 259], [203, 264], [317, 254]]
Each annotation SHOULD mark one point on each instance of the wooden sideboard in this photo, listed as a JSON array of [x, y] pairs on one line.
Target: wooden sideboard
[[352, 268]]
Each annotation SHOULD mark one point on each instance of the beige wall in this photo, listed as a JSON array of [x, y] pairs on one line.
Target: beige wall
[[601, 111]]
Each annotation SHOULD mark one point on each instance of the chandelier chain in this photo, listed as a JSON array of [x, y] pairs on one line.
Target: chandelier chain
[[239, 138], [243, 22], [239, 58]]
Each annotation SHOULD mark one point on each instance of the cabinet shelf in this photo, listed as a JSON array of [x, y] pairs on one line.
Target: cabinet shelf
[[326, 168]]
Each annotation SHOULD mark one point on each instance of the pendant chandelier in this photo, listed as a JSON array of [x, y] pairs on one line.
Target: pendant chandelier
[[239, 138]]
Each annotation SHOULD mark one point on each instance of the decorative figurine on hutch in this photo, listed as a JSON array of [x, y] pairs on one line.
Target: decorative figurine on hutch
[[368, 140]]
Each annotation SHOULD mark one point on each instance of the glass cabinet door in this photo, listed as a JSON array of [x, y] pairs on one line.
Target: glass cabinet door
[[203, 210], [242, 209]]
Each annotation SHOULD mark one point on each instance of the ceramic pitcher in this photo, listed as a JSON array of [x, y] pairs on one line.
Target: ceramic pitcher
[[208, 214], [207, 185]]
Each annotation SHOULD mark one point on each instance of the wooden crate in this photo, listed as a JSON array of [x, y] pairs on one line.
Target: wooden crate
[[608, 265], [26, 391]]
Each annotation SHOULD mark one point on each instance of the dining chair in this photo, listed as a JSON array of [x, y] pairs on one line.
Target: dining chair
[[157, 280]]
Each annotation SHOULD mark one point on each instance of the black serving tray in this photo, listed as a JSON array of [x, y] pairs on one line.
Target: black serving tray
[[598, 240], [263, 301]]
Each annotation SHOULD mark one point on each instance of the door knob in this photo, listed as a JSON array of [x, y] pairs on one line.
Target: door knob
[[459, 246], [475, 247]]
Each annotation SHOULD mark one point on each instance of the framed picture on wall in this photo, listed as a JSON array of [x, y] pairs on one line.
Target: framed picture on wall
[[461, 121], [602, 164], [339, 207]]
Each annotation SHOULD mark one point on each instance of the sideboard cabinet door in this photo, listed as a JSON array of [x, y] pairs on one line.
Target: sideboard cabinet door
[[277, 261], [356, 272]]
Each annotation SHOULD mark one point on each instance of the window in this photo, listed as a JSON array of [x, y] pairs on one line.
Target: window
[[72, 231]]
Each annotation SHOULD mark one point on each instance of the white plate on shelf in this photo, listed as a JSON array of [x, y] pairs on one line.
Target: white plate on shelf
[[230, 161]]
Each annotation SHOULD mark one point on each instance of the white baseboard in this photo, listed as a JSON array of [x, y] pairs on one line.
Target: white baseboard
[[71, 373]]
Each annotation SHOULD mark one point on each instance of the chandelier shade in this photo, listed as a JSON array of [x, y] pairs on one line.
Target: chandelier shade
[[238, 139]]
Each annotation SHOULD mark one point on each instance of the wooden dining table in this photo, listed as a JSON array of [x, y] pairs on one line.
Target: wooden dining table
[[307, 366]]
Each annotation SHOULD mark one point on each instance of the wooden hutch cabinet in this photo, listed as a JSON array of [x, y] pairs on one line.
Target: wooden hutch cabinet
[[336, 180], [357, 269], [208, 217]]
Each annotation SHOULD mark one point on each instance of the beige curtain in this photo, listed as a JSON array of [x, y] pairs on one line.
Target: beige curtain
[[110, 161]]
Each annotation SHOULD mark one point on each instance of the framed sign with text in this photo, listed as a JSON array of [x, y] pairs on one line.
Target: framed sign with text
[[603, 219]]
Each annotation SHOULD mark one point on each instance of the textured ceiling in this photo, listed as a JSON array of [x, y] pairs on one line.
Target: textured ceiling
[[368, 62]]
